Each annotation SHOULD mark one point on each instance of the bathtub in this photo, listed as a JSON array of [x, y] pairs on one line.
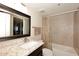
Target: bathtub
[[62, 50]]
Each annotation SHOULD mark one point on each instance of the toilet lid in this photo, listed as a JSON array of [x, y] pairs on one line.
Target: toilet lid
[[47, 52]]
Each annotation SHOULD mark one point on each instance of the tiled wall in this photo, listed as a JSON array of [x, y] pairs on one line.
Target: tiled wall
[[76, 31], [61, 29], [37, 30]]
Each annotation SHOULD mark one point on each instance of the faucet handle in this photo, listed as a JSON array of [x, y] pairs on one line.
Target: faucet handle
[[26, 39]]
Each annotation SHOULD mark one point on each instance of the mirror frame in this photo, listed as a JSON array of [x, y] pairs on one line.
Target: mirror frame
[[19, 13]]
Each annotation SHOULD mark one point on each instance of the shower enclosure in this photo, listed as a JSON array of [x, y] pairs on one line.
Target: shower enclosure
[[60, 33]]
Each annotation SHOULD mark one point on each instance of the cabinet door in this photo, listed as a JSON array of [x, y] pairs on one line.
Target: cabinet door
[[37, 52]]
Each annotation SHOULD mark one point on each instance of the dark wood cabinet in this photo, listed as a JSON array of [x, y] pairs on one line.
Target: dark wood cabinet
[[37, 52]]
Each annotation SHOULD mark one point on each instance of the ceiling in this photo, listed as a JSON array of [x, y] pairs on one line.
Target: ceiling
[[52, 8], [46, 8]]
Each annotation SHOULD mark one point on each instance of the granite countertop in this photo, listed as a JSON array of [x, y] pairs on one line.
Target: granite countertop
[[21, 50]]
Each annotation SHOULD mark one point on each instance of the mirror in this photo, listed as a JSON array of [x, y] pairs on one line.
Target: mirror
[[13, 24]]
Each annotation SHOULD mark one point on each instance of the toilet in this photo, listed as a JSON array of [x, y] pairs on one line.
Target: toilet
[[47, 52]]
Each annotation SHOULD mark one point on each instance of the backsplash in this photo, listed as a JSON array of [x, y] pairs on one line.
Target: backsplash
[[37, 30]]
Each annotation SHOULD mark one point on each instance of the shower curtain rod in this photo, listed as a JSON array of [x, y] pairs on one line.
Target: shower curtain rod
[[65, 12]]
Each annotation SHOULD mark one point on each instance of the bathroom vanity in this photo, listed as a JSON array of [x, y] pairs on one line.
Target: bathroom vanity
[[37, 52], [33, 48]]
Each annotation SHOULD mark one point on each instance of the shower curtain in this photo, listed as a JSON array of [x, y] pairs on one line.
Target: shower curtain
[[46, 33]]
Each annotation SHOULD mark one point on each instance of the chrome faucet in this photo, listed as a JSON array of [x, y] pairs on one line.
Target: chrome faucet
[[26, 40]]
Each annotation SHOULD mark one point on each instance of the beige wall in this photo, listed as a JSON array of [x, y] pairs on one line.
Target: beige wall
[[61, 29], [36, 20]]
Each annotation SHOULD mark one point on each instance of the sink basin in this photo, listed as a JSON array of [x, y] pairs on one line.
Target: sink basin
[[29, 45]]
